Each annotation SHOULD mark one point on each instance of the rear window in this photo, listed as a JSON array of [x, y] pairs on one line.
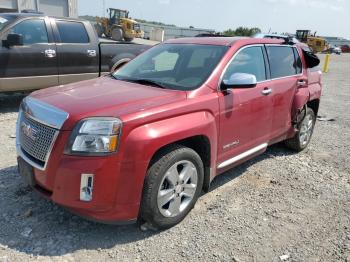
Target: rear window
[[72, 32], [282, 61]]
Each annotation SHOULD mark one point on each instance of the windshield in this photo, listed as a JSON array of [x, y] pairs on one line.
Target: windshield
[[173, 66], [3, 22]]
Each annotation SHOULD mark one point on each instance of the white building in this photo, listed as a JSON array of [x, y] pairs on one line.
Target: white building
[[171, 32], [65, 8]]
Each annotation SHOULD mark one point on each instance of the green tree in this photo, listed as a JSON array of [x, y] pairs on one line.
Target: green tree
[[242, 31], [229, 32]]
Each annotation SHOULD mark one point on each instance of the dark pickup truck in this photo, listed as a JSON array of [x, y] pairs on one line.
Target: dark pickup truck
[[37, 51]]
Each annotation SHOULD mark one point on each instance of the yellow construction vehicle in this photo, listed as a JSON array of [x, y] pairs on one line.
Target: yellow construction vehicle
[[119, 26], [317, 44]]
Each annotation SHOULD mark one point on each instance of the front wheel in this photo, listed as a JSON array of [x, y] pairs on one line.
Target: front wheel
[[172, 186], [117, 34], [305, 130]]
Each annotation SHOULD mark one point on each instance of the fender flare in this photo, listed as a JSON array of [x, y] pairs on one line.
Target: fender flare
[[120, 60], [148, 138]]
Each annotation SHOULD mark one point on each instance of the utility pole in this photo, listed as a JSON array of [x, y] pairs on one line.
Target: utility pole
[[104, 8]]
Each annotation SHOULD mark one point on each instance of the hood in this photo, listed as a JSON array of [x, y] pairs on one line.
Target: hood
[[105, 96]]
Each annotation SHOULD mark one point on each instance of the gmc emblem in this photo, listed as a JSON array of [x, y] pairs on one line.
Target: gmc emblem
[[29, 131]]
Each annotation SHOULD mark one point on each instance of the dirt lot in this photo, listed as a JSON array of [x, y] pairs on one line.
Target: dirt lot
[[279, 206]]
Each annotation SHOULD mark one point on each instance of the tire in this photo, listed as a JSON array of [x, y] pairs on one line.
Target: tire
[[164, 202], [305, 130], [119, 61], [117, 34], [128, 39]]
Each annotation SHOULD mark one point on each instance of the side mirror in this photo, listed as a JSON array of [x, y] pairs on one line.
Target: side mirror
[[239, 80], [13, 40]]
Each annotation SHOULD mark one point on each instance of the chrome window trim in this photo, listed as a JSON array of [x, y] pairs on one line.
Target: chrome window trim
[[259, 45]]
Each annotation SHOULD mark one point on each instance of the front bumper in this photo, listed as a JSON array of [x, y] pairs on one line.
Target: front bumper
[[114, 200], [117, 185], [118, 180]]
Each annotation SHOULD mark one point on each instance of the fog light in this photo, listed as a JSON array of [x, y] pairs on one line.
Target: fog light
[[86, 187]]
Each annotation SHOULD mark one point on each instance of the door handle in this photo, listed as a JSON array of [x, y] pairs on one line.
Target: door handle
[[266, 91], [91, 53], [301, 83], [50, 53]]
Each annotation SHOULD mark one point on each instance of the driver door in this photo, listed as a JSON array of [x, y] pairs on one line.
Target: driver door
[[32, 65], [245, 113]]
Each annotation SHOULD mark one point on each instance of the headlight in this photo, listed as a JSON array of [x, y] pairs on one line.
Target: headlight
[[95, 136]]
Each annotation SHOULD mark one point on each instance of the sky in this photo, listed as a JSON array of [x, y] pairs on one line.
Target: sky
[[327, 17]]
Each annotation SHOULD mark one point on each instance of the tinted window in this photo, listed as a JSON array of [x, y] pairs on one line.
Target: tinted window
[[72, 32], [282, 61], [299, 64], [5, 20], [250, 61], [33, 31]]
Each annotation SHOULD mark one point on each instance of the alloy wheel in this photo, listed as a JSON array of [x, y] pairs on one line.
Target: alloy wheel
[[177, 188], [306, 130]]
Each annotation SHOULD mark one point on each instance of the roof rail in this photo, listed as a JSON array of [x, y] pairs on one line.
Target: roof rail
[[210, 35]]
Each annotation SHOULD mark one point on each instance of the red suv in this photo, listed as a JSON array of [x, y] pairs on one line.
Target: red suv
[[142, 143]]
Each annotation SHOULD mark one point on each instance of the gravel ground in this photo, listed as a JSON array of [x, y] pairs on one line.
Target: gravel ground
[[279, 206]]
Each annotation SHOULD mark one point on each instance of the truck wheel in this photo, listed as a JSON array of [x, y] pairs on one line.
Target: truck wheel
[[305, 129], [172, 186], [127, 39], [117, 34]]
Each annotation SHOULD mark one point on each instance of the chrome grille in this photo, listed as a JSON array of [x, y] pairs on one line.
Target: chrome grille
[[35, 138]]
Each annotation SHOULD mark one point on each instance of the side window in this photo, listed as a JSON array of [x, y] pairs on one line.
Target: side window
[[72, 32], [165, 61], [298, 64], [282, 61], [250, 61], [33, 31]]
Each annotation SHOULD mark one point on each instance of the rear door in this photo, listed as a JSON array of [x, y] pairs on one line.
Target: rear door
[[286, 75], [77, 52], [246, 113], [33, 65]]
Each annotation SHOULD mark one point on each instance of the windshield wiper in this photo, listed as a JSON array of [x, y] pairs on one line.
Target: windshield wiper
[[143, 81]]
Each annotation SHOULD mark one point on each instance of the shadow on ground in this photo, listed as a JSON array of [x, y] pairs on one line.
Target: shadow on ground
[[10, 103], [33, 225]]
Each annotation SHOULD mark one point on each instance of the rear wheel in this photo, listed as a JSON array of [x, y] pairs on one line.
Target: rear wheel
[[172, 187], [305, 130]]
